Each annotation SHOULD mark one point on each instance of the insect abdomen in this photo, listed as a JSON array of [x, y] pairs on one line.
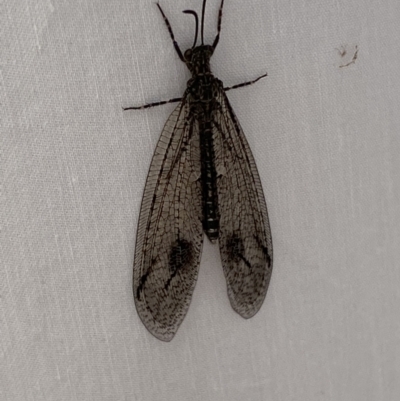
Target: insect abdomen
[[209, 183]]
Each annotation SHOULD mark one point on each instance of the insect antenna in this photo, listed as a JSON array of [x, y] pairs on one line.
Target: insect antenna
[[202, 22], [197, 24]]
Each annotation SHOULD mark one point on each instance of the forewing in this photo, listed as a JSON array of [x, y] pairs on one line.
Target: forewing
[[170, 236], [245, 237]]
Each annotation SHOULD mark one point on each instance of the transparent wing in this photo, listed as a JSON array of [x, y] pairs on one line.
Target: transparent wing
[[245, 237], [170, 235]]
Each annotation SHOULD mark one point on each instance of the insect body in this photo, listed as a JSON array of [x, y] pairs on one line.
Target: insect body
[[202, 179]]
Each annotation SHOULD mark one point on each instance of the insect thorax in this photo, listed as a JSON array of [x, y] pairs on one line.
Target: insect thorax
[[203, 89]]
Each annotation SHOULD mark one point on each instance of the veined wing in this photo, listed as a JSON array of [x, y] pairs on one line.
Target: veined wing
[[170, 234], [245, 238]]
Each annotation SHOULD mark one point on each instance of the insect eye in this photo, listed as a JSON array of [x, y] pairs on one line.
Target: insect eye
[[188, 54]]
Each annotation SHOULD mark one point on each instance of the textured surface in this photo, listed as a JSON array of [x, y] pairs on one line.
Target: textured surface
[[73, 168]]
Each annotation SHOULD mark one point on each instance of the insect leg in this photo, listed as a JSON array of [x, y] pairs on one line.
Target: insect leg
[[146, 106], [216, 40], [178, 50], [245, 83]]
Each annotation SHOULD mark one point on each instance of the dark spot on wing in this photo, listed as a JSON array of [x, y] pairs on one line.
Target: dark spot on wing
[[180, 256], [265, 251], [143, 279], [236, 250], [267, 256], [142, 282]]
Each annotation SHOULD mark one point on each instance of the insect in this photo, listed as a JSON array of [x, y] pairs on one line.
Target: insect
[[202, 179], [343, 52]]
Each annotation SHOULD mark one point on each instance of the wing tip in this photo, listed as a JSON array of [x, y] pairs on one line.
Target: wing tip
[[161, 332], [247, 311], [247, 308]]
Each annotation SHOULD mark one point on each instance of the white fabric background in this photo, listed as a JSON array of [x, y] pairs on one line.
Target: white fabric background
[[326, 140]]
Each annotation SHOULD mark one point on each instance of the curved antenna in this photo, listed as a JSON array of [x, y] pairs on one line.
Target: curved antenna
[[202, 21], [197, 24]]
